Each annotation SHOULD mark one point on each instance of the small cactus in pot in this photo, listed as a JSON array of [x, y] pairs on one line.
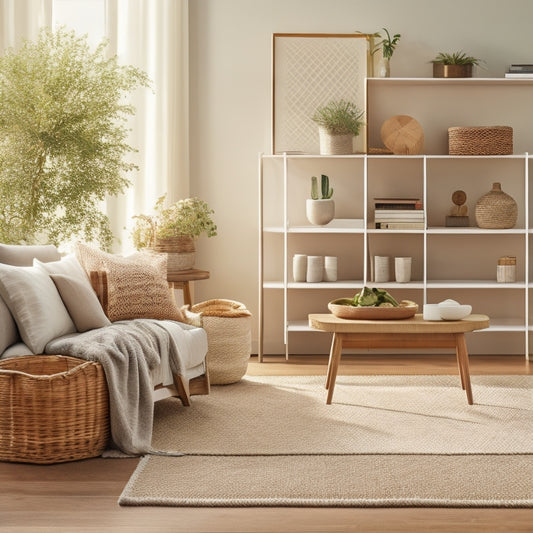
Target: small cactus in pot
[[324, 187], [320, 208]]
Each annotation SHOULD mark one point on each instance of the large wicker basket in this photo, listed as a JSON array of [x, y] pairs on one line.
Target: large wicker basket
[[53, 409], [480, 140], [228, 327]]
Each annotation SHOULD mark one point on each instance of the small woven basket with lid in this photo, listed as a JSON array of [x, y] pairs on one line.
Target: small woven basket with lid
[[480, 140]]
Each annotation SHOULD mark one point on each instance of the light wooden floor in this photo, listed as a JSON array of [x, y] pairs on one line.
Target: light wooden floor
[[82, 496]]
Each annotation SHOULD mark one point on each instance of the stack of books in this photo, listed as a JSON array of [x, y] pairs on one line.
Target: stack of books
[[524, 70], [398, 213]]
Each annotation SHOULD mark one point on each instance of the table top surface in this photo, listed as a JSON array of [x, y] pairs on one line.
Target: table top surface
[[191, 274], [415, 324]]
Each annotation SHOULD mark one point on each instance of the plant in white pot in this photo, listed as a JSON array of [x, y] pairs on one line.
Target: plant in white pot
[[338, 123], [320, 208]]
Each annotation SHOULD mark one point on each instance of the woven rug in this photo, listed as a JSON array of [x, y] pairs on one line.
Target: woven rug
[[384, 441]]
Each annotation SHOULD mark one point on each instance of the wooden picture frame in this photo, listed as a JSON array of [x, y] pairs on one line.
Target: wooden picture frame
[[311, 69]]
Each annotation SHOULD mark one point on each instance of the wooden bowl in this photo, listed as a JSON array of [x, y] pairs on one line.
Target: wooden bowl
[[371, 313]]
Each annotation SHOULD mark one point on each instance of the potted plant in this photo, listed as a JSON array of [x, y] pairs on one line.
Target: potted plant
[[320, 208], [173, 230], [338, 122], [454, 65], [386, 45]]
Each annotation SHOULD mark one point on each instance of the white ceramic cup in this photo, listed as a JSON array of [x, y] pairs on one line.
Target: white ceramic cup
[[381, 268], [431, 312], [330, 268], [299, 267], [402, 269], [315, 268]]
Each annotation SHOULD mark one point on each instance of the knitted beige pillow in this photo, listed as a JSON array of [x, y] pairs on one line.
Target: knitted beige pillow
[[137, 284]]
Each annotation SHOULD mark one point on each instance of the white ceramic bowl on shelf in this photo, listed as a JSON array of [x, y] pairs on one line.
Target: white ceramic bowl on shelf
[[454, 312]]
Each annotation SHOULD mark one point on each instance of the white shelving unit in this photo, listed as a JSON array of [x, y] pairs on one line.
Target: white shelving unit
[[457, 263]]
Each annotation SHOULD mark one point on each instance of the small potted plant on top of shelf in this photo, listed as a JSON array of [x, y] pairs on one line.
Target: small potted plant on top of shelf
[[320, 208], [338, 123], [454, 65], [387, 45]]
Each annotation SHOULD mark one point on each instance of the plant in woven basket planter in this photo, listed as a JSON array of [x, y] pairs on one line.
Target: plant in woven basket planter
[[338, 122], [454, 65], [173, 229]]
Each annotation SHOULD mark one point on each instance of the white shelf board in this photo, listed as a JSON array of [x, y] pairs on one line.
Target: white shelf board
[[451, 81], [331, 285], [395, 285], [438, 230], [472, 284], [383, 231]]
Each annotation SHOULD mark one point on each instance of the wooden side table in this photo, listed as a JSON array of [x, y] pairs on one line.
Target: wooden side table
[[409, 333], [181, 279]]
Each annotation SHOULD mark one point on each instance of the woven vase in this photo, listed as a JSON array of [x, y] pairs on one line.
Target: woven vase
[[180, 251], [496, 209]]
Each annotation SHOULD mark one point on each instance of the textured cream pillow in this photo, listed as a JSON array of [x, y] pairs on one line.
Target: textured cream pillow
[[137, 284], [35, 305]]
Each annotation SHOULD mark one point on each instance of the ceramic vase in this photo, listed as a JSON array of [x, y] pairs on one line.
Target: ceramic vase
[[320, 212]]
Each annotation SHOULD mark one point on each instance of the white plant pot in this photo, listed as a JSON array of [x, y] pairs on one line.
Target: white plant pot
[[320, 212], [335, 144]]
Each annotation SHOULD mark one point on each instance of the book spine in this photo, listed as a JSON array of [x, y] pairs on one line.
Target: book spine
[[398, 206], [400, 225]]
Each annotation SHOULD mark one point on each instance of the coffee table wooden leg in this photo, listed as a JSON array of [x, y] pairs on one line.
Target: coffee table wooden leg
[[330, 360], [335, 357], [462, 361]]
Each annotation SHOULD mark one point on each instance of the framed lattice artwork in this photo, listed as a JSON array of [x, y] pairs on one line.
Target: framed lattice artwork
[[310, 70]]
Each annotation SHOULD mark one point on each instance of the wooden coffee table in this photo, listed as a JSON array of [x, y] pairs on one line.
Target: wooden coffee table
[[413, 332]]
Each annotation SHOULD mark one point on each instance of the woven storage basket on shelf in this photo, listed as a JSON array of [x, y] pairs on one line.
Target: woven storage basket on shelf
[[53, 409], [228, 327], [180, 251], [496, 209], [481, 140]]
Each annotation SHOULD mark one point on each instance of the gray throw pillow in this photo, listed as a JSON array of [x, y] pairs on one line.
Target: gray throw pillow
[[35, 305], [81, 302]]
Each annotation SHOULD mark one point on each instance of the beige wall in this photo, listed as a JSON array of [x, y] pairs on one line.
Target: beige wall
[[230, 48]]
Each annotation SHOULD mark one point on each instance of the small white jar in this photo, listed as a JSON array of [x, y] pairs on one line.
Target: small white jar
[[315, 268]]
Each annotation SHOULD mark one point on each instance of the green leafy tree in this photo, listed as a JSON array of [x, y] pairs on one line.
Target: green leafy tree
[[63, 130]]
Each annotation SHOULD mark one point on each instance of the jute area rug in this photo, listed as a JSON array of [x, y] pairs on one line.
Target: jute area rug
[[384, 441]]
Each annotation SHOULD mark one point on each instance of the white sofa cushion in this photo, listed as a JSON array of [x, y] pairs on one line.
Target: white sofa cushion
[[22, 255], [35, 305]]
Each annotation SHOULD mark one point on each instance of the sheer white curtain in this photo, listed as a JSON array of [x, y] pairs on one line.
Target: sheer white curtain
[[22, 19], [153, 35]]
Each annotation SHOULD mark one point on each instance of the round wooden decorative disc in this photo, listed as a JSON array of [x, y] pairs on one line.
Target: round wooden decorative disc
[[402, 135], [459, 197]]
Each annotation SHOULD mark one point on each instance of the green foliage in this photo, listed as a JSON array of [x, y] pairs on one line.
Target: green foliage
[[63, 113], [339, 117], [387, 44], [456, 58], [190, 216], [326, 192]]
